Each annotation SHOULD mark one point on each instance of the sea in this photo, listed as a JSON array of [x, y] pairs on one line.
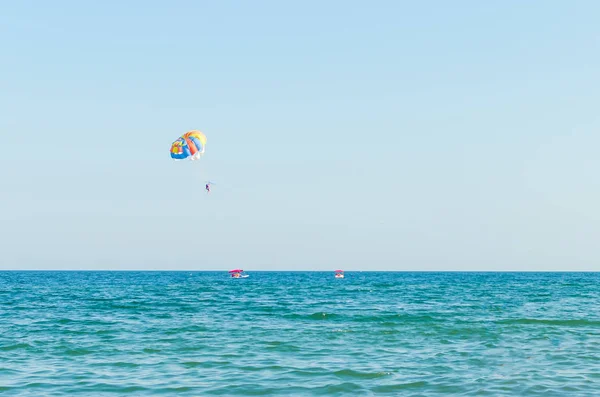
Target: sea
[[292, 333]]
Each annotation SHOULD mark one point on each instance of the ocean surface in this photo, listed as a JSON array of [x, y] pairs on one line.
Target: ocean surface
[[299, 334]]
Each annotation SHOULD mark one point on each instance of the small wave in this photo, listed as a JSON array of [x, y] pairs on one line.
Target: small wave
[[314, 316], [309, 372], [565, 323], [346, 387], [191, 328], [78, 352], [383, 319], [323, 316], [349, 373], [15, 347], [107, 332], [35, 385], [171, 390], [205, 364], [105, 387], [125, 306], [283, 347], [398, 387], [122, 364], [255, 368]]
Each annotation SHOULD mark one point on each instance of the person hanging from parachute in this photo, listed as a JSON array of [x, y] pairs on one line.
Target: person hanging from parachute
[[208, 185]]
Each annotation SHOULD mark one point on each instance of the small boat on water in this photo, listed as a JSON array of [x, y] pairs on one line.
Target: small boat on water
[[237, 273], [339, 274]]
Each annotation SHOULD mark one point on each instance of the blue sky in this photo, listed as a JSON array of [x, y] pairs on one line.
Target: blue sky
[[381, 135]]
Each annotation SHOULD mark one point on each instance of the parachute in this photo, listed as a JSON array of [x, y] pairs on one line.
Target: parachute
[[190, 145]]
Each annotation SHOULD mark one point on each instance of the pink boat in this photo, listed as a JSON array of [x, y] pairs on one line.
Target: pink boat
[[237, 273]]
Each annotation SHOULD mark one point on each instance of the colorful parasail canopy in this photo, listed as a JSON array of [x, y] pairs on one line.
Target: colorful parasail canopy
[[191, 144], [339, 271], [236, 271]]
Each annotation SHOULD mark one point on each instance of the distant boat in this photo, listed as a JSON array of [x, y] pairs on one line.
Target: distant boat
[[237, 273], [339, 274]]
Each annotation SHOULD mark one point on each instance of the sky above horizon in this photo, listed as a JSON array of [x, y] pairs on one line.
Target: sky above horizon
[[379, 135]]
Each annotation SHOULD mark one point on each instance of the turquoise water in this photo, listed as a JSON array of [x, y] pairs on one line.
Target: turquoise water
[[299, 333]]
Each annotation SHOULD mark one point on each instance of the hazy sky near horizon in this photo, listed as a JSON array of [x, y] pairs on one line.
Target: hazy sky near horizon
[[384, 135]]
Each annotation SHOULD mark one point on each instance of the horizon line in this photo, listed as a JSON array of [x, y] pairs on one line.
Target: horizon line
[[300, 271]]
